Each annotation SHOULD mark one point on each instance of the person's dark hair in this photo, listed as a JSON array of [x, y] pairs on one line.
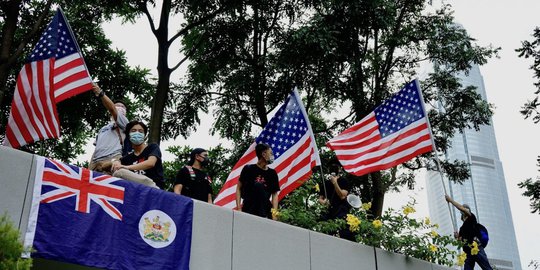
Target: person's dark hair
[[123, 103], [130, 125], [334, 166], [260, 148], [194, 153]]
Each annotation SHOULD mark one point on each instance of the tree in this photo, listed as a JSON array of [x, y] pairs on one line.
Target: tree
[[343, 55], [79, 117], [531, 49], [183, 117], [235, 63]]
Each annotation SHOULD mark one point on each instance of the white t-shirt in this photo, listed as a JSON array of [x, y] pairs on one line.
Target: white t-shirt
[[107, 141]]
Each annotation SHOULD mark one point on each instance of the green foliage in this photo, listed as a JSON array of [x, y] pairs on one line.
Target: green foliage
[[531, 49], [532, 190], [10, 247], [395, 231]]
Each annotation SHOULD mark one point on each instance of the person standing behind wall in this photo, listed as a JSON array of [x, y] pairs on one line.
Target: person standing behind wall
[[336, 187], [110, 139], [191, 181], [257, 183]]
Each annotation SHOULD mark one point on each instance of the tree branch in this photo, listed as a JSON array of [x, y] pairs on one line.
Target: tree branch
[[189, 54], [144, 9], [30, 35], [197, 23]]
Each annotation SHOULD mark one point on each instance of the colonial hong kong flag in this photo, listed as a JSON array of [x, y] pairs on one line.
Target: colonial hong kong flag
[[396, 131], [290, 136], [87, 218], [54, 71]]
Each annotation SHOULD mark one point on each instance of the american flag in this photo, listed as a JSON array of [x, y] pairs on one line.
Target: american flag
[[61, 181], [290, 136], [396, 131], [54, 71]]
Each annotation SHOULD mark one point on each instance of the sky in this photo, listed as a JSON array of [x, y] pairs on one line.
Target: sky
[[508, 82]]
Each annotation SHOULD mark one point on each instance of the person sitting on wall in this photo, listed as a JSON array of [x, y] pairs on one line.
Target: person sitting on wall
[[110, 139], [191, 181], [143, 165]]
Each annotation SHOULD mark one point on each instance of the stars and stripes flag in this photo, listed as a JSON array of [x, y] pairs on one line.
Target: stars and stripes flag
[[54, 71], [396, 131], [290, 136]]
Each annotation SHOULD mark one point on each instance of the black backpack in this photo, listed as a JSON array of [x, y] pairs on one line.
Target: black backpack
[[483, 235]]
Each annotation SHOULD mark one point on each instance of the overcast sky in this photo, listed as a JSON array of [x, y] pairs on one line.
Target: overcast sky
[[508, 82]]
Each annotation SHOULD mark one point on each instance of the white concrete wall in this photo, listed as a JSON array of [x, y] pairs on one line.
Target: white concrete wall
[[223, 239]]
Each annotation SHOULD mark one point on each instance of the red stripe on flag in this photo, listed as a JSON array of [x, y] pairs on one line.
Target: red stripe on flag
[[74, 91], [389, 153], [393, 163], [385, 144], [69, 65], [58, 196]]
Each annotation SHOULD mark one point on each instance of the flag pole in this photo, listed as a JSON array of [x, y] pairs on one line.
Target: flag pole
[[75, 41], [439, 168]]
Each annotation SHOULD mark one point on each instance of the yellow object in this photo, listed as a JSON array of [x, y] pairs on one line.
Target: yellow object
[[474, 248], [408, 210], [434, 234], [275, 213], [377, 224], [433, 248], [317, 188], [461, 259], [366, 206], [354, 222], [427, 221]]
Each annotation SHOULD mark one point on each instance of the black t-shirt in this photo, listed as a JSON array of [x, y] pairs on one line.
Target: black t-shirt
[[155, 173], [468, 231], [197, 188], [257, 187], [338, 208]]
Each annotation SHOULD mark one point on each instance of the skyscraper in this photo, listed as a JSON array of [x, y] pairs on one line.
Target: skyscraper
[[485, 191]]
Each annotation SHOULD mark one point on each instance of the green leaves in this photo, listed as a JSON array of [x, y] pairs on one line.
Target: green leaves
[[11, 247]]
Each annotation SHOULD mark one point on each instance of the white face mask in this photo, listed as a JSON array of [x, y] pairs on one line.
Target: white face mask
[[121, 110], [270, 159]]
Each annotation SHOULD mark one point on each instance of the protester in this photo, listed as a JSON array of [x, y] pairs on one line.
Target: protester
[[143, 165], [191, 181], [334, 194], [257, 184], [467, 233], [110, 139]]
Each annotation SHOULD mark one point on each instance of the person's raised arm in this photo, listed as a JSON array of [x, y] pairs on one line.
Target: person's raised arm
[[107, 102], [459, 206]]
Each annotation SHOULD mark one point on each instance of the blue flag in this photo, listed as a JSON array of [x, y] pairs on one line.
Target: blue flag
[[87, 218]]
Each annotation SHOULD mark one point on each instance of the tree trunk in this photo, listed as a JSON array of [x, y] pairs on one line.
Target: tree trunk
[[12, 10], [378, 192], [164, 75]]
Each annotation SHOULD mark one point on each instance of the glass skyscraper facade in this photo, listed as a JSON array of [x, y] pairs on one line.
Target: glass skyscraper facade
[[485, 191]]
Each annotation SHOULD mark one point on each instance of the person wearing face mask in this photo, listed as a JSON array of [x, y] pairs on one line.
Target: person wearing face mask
[[257, 184], [110, 139], [143, 165], [191, 181]]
